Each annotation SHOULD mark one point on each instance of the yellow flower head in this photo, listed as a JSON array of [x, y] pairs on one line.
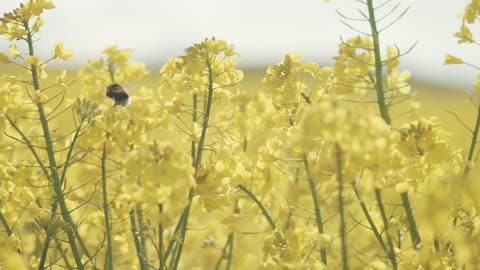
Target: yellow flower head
[[116, 56], [14, 51], [33, 60], [39, 98], [450, 59], [38, 23], [61, 52], [464, 35], [476, 85]]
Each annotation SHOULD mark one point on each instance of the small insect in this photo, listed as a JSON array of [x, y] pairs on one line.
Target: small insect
[[117, 93]]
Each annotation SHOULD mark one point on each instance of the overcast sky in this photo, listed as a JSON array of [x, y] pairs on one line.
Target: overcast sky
[[262, 30]]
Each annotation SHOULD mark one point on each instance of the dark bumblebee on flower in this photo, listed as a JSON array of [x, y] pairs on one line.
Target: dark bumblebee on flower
[[117, 93]]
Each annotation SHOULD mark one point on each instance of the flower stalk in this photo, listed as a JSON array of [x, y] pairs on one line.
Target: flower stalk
[[316, 205], [379, 88], [341, 207], [136, 240], [391, 251], [265, 212], [183, 230], [226, 256], [369, 218], [53, 175], [473, 143], [414, 234], [108, 225]]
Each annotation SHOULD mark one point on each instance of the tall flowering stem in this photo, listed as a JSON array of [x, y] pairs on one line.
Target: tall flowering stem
[[160, 237], [197, 159], [170, 247], [86, 111], [227, 251], [391, 251], [194, 120], [206, 117], [54, 175], [473, 143], [183, 230], [264, 210], [8, 230], [414, 234], [106, 212], [382, 106], [316, 205], [341, 207], [227, 248], [136, 240], [207, 68], [370, 221]]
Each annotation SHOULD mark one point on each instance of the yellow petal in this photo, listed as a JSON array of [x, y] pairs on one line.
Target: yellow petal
[[33, 60], [450, 59]]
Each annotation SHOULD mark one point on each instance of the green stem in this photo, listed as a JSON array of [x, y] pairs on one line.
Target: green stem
[[59, 196], [173, 241], [45, 171], [411, 221], [160, 237], [229, 245], [224, 256], [206, 117], [69, 154], [141, 223], [183, 230], [378, 64], [136, 240], [62, 181], [64, 257], [473, 143], [230, 251], [51, 158], [43, 256], [436, 244], [369, 219], [343, 229], [194, 120], [197, 162], [260, 205], [8, 230], [391, 253], [316, 205], [106, 212], [174, 252]]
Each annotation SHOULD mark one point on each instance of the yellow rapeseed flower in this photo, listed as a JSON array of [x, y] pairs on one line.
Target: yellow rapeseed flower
[[61, 52], [14, 51], [476, 85], [464, 35], [38, 23], [450, 59], [33, 60]]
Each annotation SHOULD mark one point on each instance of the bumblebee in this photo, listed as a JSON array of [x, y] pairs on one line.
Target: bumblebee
[[117, 93]]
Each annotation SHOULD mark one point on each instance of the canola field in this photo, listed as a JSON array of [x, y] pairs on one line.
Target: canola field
[[202, 165]]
